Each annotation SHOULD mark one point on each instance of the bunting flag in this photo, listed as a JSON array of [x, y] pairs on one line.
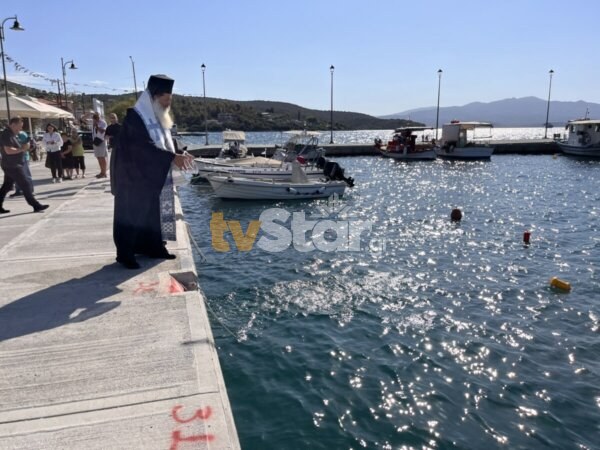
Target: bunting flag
[[23, 69]]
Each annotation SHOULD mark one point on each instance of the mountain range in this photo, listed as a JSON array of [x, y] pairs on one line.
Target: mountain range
[[510, 112]]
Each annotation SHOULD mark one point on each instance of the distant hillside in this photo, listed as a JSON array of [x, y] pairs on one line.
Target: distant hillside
[[524, 112], [257, 115]]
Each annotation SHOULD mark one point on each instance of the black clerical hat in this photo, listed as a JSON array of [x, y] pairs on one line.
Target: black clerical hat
[[160, 84]]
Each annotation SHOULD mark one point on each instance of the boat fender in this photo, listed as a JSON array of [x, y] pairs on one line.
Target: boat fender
[[560, 284], [230, 180], [292, 190]]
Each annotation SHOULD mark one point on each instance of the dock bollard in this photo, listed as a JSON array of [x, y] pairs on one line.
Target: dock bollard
[[560, 284]]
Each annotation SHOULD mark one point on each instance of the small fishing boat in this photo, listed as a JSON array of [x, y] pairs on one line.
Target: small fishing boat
[[302, 146], [460, 141], [404, 146], [583, 139], [233, 152], [298, 187]]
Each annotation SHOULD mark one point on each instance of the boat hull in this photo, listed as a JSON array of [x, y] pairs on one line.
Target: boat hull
[[465, 152], [424, 155], [574, 150], [249, 189], [284, 173]]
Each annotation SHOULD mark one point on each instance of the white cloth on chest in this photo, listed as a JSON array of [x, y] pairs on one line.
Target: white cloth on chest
[[161, 137]]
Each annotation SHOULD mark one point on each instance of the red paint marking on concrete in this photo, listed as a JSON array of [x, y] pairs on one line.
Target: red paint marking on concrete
[[145, 287], [177, 439], [201, 414]]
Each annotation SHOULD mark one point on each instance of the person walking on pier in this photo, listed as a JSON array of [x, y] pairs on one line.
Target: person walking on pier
[[24, 140], [12, 165], [140, 172]]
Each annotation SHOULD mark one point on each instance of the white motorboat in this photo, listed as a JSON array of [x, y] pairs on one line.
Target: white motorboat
[[279, 167], [299, 187], [583, 139], [233, 152], [404, 146], [460, 141]]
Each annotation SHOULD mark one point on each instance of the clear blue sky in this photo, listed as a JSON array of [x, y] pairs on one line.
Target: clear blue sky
[[386, 53]]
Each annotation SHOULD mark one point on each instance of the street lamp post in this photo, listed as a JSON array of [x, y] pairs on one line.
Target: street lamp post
[[437, 116], [331, 69], [134, 80], [548, 107], [72, 67], [203, 67], [16, 27]]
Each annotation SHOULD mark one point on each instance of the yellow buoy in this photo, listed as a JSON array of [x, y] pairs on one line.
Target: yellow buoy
[[560, 284]]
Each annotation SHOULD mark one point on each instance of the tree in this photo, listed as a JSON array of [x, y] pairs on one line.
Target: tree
[[120, 108]]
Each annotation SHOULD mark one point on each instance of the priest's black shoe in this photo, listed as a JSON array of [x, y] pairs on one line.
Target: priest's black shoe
[[4, 211], [40, 208], [128, 263], [162, 255]]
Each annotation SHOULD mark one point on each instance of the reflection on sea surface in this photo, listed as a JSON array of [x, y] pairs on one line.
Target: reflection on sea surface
[[447, 336]]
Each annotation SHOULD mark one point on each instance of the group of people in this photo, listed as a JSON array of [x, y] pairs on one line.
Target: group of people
[[65, 152], [143, 153]]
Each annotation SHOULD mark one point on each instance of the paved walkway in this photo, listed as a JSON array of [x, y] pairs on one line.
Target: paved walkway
[[94, 356]]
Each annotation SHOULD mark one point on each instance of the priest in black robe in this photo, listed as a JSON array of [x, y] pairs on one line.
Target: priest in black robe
[[140, 170]]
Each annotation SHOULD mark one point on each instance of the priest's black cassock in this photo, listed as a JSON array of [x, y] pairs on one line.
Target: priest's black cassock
[[139, 169]]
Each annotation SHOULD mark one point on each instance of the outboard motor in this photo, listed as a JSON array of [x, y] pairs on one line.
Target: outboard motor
[[333, 171], [320, 163]]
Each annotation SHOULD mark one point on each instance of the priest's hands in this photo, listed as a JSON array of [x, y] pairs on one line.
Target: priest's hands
[[184, 161]]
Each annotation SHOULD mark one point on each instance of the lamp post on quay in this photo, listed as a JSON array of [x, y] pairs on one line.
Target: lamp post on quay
[[203, 67], [134, 80], [16, 27], [331, 69], [72, 67], [548, 107], [437, 116]]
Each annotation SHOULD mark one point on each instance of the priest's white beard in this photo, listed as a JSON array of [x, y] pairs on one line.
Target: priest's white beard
[[163, 115]]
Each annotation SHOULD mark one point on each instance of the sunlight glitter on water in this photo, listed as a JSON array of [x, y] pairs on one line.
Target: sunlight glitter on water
[[450, 336]]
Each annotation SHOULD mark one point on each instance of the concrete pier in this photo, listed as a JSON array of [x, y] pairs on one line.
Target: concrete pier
[[95, 356], [507, 147]]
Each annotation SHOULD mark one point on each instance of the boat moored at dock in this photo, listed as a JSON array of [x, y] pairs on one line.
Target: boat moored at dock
[[404, 146], [583, 138], [458, 143], [298, 187]]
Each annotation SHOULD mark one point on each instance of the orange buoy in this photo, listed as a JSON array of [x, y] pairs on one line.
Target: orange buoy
[[560, 284]]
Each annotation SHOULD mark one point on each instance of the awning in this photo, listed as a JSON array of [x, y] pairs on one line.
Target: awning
[[28, 107]]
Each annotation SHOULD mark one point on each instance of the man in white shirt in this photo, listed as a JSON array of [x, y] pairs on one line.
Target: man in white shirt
[[100, 147]]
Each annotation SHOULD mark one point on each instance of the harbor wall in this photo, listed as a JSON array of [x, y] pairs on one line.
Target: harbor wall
[[508, 147]]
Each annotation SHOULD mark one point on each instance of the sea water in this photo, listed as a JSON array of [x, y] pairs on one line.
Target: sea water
[[430, 334]]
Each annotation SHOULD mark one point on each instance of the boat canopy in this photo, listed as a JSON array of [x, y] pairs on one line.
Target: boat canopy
[[470, 125], [234, 136], [302, 133], [584, 122], [401, 129]]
